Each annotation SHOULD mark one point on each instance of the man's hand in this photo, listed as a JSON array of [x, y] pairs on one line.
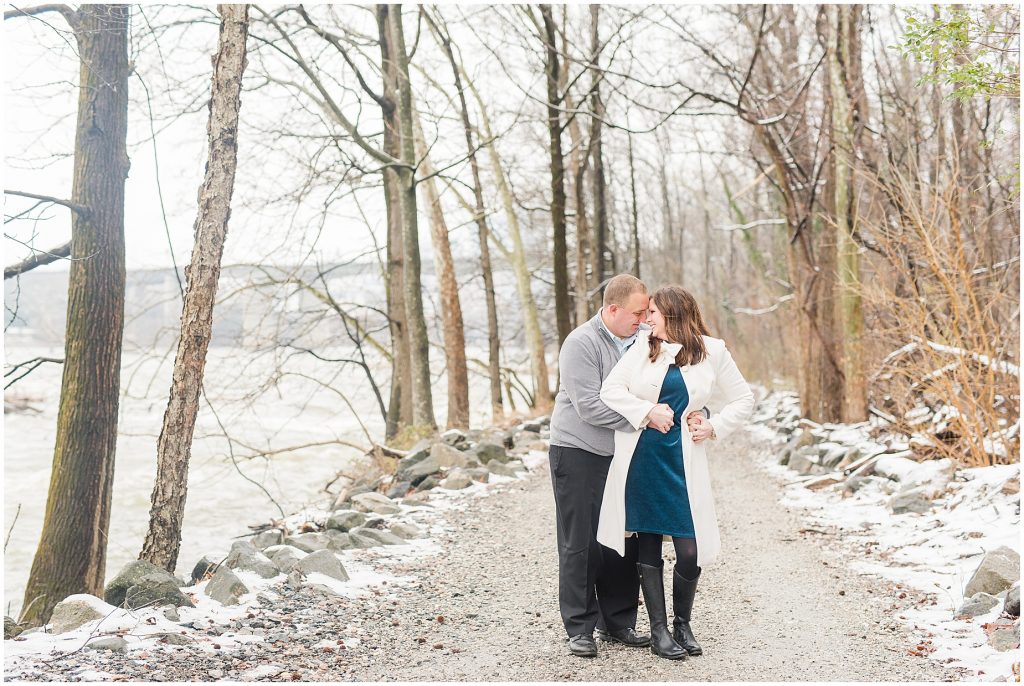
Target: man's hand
[[661, 417], [698, 425]]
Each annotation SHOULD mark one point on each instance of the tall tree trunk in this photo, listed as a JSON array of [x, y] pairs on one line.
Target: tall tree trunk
[[517, 257], [599, 249], [634, 211], [451, 306], [844, 79], [561, 268], [174, 447], [71, 557], [493, 335]]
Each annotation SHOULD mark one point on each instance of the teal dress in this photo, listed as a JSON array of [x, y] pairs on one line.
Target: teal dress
[[656, 497]]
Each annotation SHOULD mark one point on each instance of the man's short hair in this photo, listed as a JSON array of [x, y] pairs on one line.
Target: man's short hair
[[620, 287]]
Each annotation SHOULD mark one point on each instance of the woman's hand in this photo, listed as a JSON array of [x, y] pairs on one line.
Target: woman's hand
[[698, 425], [661, 417]]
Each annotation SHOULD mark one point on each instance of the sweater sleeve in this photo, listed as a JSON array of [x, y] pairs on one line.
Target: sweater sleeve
[[581, 380], [731, 400], [615, 393]]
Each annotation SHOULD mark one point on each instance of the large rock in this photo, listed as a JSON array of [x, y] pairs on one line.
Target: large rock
[[416, 466], [998, 571], [911, 500], [206, 566], [446, 456], [455, 439], [385, 537], [225, 587], [1012, 604], [267, 538], [524, 437], [485, 451], [407, 531], [243, 555], [831, 454], [456, 480], [132, 575], [114, 644], [284, 557], [495, 467], [155, 590], [338, 540], [11, 628], [360, 541], [374, 502], [76, 610], [801, 439], [345, 520], [977, 604], [805, 461], [323, 562], [430, 482], [399, 489], [308, 543]]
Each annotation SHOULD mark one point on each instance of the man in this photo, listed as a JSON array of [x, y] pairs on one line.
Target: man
[[597, 589]]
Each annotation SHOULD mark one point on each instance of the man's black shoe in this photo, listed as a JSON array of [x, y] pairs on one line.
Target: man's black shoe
[[627, 637], [583, 645]]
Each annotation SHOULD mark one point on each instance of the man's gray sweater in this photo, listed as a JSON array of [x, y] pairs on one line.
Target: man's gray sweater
[[580, 419]]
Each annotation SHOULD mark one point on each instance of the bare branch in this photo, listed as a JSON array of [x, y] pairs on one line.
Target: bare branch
[[38, 260], [81, 210]]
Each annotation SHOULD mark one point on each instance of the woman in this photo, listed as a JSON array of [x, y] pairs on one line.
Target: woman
[[658, 483]]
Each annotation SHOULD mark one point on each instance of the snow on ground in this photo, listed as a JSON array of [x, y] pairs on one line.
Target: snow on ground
[[143, 629], [935, 553]]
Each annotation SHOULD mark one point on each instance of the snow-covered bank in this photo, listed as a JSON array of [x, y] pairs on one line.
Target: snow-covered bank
[[927, 526]]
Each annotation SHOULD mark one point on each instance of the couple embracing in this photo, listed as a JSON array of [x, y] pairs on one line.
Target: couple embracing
[[625, 471]]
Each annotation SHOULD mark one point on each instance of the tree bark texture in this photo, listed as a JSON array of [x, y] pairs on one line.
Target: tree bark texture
[[71, 557], [451, 306], [561, 268], [174, 447], [599, 247]]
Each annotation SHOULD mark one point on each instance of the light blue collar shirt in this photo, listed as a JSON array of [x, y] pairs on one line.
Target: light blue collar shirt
[[621, 343]]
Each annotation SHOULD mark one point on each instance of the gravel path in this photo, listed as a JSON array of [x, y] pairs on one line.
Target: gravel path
[[777, 606]]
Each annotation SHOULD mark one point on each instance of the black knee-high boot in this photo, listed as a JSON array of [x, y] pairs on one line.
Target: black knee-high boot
[[683, 591], [653, 585]]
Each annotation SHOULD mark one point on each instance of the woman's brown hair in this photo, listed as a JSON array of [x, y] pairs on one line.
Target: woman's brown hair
[[683, 324]]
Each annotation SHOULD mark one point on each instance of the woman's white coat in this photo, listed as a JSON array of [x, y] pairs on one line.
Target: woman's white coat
[[632, 389]]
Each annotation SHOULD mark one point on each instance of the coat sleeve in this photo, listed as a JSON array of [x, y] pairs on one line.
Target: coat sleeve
[[581, 380], [615, 390], [731, 400]]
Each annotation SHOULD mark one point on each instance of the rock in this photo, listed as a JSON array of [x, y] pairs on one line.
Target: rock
[[113, 643], [541, 446], [910, 500], [11, 628], [154, 590], [849, 457], [284, 557], [374, 502], [801, 439], [457, 480], [225, 587], [385, 537], [524, 437], [500, 469], [345, 520], [323, 562], [267, 538], [131, 575], [977, 604], [454, 438], [171, 614], [805, 461], [534, 425], [416, 466], [360, 541], [486, 451], [1004, 639], [447, 456], [175, 639], [998, 571], [430, 482], [1012, 604], [1011, 486], [399, 489], [243, 555], [74, 611], [830, 454], [337, 540], [311, 542], [854, 484], [896, 467], [418, 499], [206, 565], [407, 531]]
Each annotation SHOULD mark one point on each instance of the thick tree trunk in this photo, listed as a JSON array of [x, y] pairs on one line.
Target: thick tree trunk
[[71, 557], [843, 29], [416, 325], [174, 447], [493, 335], [451, 306], [400, 398], [561, 268]]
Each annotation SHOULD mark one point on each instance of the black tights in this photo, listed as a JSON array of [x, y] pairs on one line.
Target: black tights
[[686, 553]]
